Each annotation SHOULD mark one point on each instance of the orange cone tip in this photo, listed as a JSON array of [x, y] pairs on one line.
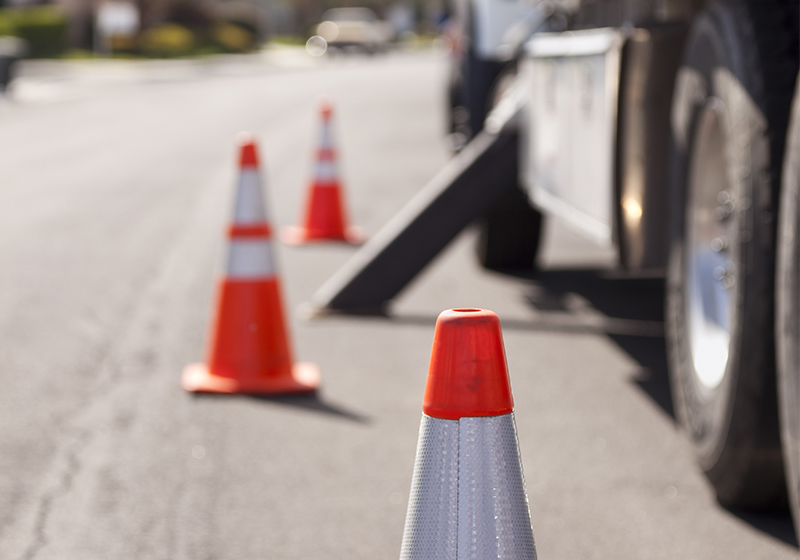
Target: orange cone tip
[[468, 374], [325, 106], [248, 153]]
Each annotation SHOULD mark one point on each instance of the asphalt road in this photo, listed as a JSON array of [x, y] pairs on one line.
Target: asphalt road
[[115, 188]]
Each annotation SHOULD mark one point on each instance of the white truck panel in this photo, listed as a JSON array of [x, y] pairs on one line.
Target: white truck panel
[[570, 126]]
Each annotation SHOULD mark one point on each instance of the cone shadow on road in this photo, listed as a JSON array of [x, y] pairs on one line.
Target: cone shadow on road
[[314, 403], [307, 401]]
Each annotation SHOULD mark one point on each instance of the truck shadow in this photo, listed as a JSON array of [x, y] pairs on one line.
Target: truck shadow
[[632, 315], [634, 301], [595, 301]]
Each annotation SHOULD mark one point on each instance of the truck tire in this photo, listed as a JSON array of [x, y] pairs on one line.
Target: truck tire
[[787, 311], [509, 232], [508, 235], [729, 114]]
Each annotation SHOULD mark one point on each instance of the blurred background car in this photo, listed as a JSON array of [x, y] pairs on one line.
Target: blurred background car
[[11, 50], [355, 27]]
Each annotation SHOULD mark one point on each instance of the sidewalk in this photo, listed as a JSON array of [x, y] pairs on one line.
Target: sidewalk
[[39, 81]]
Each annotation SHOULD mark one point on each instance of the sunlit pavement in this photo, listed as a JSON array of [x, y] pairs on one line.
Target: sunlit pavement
[[115, 186]]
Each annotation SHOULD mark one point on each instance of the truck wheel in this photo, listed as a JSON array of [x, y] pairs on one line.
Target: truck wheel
[[787, 306], [508, 235], [509, 232], [728, 117]]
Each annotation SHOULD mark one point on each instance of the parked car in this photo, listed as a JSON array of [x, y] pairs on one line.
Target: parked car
[[11, 50], [355, 27]]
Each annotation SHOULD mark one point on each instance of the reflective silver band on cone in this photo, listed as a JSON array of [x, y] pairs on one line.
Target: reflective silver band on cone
[[468, 499], [325, 172], [249, 258]]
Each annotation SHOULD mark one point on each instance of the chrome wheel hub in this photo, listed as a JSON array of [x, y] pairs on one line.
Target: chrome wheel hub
[[710, 269]]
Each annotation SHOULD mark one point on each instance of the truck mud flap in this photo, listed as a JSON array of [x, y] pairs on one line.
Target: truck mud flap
[[463, 190]]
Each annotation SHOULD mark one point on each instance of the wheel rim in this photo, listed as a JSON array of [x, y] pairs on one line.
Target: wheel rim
[[710, 270]]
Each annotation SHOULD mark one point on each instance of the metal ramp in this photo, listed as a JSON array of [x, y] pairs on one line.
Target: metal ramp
[[469, 184]]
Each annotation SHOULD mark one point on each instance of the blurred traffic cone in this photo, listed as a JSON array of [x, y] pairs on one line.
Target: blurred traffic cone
[[325, 218], [250, 351], [468, 497]]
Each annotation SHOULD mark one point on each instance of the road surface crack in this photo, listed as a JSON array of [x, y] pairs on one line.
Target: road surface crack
[[64, 485], [108, 358]]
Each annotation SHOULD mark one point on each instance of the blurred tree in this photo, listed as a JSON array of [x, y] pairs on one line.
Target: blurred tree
[[286, 16]]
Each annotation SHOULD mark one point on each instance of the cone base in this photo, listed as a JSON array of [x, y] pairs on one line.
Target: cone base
[[299, 235], [305, 378]]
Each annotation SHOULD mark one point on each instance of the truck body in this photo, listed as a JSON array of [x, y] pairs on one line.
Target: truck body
[[659, 128]]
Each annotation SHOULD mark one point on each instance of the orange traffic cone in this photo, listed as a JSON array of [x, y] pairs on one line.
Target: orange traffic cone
[[325, 218], [468, 495], [250, 350]]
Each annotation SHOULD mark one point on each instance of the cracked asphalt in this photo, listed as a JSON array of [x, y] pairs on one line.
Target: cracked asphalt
[[115, 188]]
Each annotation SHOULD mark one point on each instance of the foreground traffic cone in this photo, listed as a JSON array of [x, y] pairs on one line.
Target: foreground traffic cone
[[325, 218], [468, 496], [250, 351]]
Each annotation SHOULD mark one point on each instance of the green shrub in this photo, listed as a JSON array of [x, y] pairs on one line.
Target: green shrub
[[167, 40], [6, 26], [233, 38], [43, 27]]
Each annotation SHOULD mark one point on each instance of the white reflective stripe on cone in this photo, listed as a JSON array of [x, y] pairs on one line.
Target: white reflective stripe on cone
[[468, 499], [326, 140], [250, 258], [249, 207], [326, 171]]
